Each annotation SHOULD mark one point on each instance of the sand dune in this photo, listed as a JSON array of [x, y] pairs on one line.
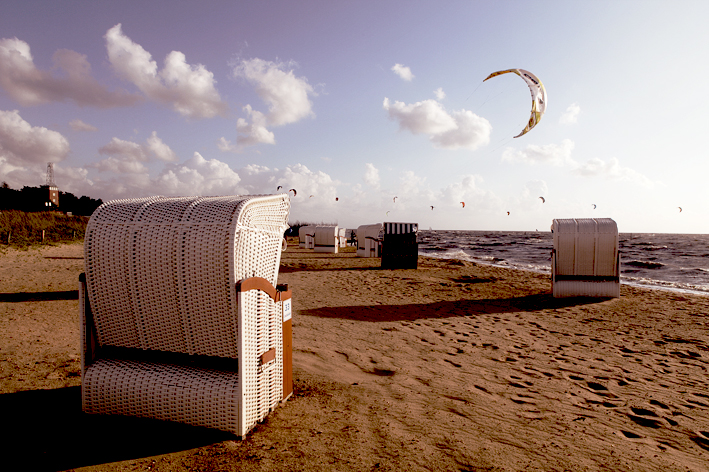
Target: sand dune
[[453, 366]]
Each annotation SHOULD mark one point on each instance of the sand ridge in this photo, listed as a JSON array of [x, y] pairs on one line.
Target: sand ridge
[[454, 366]]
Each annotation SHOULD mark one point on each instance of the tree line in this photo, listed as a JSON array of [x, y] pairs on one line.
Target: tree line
[[32, 199]]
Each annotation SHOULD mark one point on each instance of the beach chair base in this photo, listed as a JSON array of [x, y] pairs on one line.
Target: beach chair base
[[581, 288]]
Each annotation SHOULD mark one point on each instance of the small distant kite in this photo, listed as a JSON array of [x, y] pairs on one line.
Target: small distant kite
[[311, 196], [337, 199], [539, 95], [294, 192], [680, 209], [395, 199], [543, 201], [279, 187], [508, 213], [594, 206], [431, 207], [387, 213], [463, 203]]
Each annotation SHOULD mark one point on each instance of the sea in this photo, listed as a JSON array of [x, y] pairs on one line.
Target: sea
[[676, 262]]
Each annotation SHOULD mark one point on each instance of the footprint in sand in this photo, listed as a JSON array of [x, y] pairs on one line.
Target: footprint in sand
[[638, 438], [604, 404], [660, 404], [644, 417], [599, 389], [523, 399], [518, 382], [701, 439]]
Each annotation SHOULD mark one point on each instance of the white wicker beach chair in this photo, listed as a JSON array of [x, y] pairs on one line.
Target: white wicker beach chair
[[369, 240], [585, 258], [303, 231], [326, 239], [181, 318]]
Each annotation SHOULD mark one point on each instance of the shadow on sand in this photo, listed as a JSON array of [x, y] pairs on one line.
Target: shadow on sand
[[39, 296], [448, 309], [48, 430]]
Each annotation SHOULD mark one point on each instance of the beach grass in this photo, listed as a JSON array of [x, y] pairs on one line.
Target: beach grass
[[23, 229]]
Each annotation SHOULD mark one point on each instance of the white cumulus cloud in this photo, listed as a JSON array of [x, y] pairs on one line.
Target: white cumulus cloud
[[248, 133], [78, 125], [612, 169], [439, 93], [459, 129], [535, 189], [411, 184], [30, 86], [286, 96], [553, 154], [159, 149], [190, 89], [403, 72], [466, 190], [127, 157], [22, 144], [201, 176], [126, 150], [371, 175], [254, 132], [120, 165], [571, 115]]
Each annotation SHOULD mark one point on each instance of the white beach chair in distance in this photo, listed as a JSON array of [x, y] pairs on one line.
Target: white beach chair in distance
[[342, 237], [369, 240], [585, 258], [181, 316], [326, 239], [303, 233]]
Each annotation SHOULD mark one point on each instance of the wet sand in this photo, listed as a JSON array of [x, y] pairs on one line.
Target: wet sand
[[454, 366]]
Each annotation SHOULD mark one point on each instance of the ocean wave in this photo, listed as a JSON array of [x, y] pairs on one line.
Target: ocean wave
[[644, 264], [698, 289], [663, 284], [694, 269]]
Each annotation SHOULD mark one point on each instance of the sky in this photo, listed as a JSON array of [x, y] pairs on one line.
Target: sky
[[373, 111]]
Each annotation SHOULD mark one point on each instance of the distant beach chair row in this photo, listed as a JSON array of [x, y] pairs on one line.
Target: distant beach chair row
[[399, 239], [585, 254]]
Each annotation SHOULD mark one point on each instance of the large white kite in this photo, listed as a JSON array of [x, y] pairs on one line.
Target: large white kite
[[539, 95]]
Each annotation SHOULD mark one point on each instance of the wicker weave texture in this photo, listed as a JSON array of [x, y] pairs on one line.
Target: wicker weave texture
[[161, 271], [161, 391]]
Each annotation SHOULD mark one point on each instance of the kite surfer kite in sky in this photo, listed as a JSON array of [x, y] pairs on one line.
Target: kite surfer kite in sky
[[539, 96]]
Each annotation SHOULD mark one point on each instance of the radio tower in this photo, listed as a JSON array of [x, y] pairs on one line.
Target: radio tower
[[50, 175], [50, 190]]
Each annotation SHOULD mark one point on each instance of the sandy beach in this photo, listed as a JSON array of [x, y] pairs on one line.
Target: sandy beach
[[453, 366]]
